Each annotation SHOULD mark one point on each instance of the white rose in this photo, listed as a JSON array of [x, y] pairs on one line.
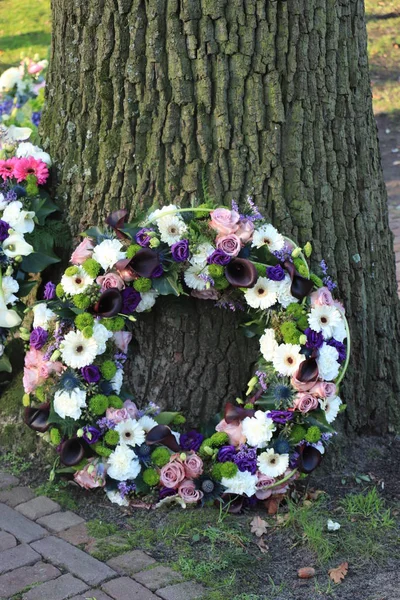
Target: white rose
[[42, 316]]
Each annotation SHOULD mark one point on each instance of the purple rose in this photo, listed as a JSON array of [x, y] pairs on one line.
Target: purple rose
[[49, 291], [142, 237], [91, 374], [180, 251], [4, 227], [91, 435], [130, 300], [226, 453], [314, 339], [218, 257], [276, 273], [341, 348], [280, 416], [191, 440], [38, 338]]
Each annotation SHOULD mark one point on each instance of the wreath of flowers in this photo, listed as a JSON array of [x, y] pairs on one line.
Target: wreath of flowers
[[79, 344]]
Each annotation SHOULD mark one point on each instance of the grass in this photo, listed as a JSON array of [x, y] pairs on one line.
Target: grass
[[59, 492], [15, 463]]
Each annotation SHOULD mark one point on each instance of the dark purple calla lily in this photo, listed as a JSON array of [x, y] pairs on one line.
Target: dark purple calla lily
[[162, 434], [241, 272], [116, 220], [37, 418], [73, 451], [309, 459], [301, 287], [236, 413], [109, 303]]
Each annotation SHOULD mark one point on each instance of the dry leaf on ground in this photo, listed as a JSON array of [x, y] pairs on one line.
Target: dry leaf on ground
[[263, 547], [339, 572], [259, 526]]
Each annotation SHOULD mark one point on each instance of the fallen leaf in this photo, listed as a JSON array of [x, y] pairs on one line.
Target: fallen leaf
[[259, 526], [281, 519], [272, 504], [339, 572], [315, 494], [263, 547], [306, 573]]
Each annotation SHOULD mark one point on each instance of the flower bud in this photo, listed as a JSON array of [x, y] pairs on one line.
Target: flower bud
[[296, 252], [251, 385], [183, 456], [154, 243], [18, 259], [26, 401], [132, 318], [307, 250], [302, 339], [208, 450], [25, 336], [55, 356], [79, 433], [90, 469]]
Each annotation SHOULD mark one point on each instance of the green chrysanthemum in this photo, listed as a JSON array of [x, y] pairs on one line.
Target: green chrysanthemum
[[98, 404], [55, 436], [313, 434], [143, 284], [115, 402], [221, 284], [81, 301], [297, 434], [91, 267], [160, 456], [108, 369], [228, 469], [84, 320], [101, 450], [112, 437], [132, 250], [59, 290], [151, 477], [216, 271], [71, 271], [219, 439]]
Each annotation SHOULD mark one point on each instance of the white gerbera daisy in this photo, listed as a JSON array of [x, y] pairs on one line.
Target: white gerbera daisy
[[194, 279], [108, 253], [324, 318], [148, 300], [69, 404], [42, 316], [130, 432], [267, 235], [283, 292], [327, 361], [101, 335], [123, 464], [171, 229], [203, 251], [147, 423], [10, 287], [116, 498], [243, 483], [78, 351], [287, 359], [331, 407], [76, 284], [262, 295], [272, 464], [258, 429], [268, 345], [117, 380]]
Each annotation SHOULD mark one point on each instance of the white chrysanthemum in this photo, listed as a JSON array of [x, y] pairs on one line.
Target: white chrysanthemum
[[193, 277], [131, 432], [116, 498], [148, 300], [101, 335], [339, 331], [123, 464], [76, 284], [267, 235], [327, 361], [258, 429], [26, 149], [117, 380], [331, 407], [108, 253], [10, 287], [325, 319], [171, 229], [287, 359], [262, 295], [42, 316], [77, 351], [9, 79], [147, 423], [283, 292], [268, 345], [272, 464], [243, 483], [15, 245], [69, 404], [203, 251]]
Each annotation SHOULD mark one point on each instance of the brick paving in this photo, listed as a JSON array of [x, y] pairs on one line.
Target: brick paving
[[40, 558]]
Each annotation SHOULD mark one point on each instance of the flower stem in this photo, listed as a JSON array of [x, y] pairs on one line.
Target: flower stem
[[179, 210], [348, 345], [278, 483]]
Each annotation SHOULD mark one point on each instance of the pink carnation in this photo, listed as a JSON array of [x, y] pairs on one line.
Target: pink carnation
[[117, 414], [111, 280], [224, 221], [234, 431], [230, 244], [31, 166], [7, 168], [82, 252], [37, 370], [173, 473], [193, 466], [305, 402], [188, 492]]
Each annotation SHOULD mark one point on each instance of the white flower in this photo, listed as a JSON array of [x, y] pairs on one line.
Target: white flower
[[339, 331], [203, 251], [19, 220], [101, 335], [3, 202], [117, 380], [267, 235], [283, 292], [243, 483], [258, 429], [1, 349], [171, 229], [42, 316], [10, 287], [77, 351], [148, 300], [327, 361], [287, 359], [15, 245], [262, 295], [324, 318], [272, 464], [171, 209], [123, 464], [16, 134], [9, 79], [116, 498], [69, 404], [332, 525], [26, 149], [193, 277], [331, 406], [8, 318], [108, 253], [76, 284], [268, 345], [147, 423], [130, 432]]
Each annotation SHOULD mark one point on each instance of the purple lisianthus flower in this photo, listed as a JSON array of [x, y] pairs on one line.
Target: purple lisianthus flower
[[91, 374], [218, 257], [142, 237], [4, 227], [180, 251], [158, 272], [36, 116], [130, 300], [226, 453], [191, 440], [276, 273], [246, 459], [164, 492], [38, 338], [314, 339], [49, 291], [280, 416], [91, 435], [341, 348]]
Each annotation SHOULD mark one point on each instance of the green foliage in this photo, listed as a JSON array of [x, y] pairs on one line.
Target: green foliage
[[15, 462], [178, 420], [32, 22], [58, 491]]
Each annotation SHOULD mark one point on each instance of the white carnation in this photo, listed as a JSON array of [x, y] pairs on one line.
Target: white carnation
[[108, 253], [268, 345], [69, 404], [258, 429], [117, 380], [123, 464], [243, 483], [327, 360], [148, 300], [283, 292], [101, 335], [116, 498], [42, 316]]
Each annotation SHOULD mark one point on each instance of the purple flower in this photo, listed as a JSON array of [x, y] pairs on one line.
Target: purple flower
[[280, 416], [4, 227], [165, 492], [91, 374], [142, 237], [341, 348], [38, 338], [191, 440], [158, 272], [226, 453], [314, 339], [130, 300], [218, 257], [124, 488], [262, 380], [91, 435], [49, 291], [36, 116], [276, 273], [105, 423], [180, 251], [246, 459], [284, 254]]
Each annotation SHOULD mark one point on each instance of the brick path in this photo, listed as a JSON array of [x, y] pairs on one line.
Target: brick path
[[40, 558]]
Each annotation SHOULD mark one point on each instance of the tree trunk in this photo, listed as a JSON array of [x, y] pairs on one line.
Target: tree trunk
[[268, 98]]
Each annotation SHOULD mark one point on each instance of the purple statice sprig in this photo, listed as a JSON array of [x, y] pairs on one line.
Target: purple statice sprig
[[152, 409], [105, 424], [120, 359], [206, 278], [125, 488], [284, 254], [328, 281], [262, 380]]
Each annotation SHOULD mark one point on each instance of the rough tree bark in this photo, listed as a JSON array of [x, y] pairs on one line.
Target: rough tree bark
[[272, 99]]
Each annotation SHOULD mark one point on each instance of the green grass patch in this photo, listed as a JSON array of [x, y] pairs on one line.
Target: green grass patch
[[59, 492], [15, 463], [100, 529]]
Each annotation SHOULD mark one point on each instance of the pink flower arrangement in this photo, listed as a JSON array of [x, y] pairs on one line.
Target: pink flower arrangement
[[30, 166], [117, 414], [224, 221]]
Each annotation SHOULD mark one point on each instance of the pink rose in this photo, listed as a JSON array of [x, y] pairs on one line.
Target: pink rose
[[188, 492], [301, 386], [323, 389], [224, 221], [82, 252], [230, 244], [122, 340], [305, 402], [117, 414], [245, 231], [131, 408], [321, 297], [262, 484], [91, 476], [111, 280], [193, 466], [234, 431], [210, 294], [172, 474], [34, 68]]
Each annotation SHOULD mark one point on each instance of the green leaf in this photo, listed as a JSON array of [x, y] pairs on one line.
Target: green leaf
[[94, 232], [25, 287], [319, 419], [167, 285], [130, 229], [43, 207], [5, 365], [37, 262], [165, 418]]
